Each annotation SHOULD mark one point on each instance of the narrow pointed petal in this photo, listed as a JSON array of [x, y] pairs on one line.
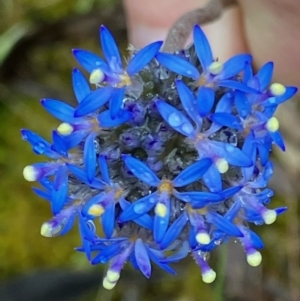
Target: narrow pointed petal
[[108, 220], [143, 58], [141, 170], [156, 256], [233, 211], [203, 48], [161, 221], [116, 101], [178, 65], [175, 118], [89, 157], [277, 138], [212, 179], [104, 169], [142, 258], [106, 121], [264, 151], [242, 104], [89, 61], [188, 100], [232, 154], [59, 110], [174, 231], [43, 194], [60, 190], [235, 65], [107, 253], [69, 225], [110, 48], [138, 208], [264, 75], [248, 73], [231, 191], [73, 139], [223, 224], [226, 119], [192, 173], [93, 101], [59, 145], [225, 103], [80, 85], [205, 101], [180, 254], [256, 240], [236, 86], [198, 198], [275, 101]]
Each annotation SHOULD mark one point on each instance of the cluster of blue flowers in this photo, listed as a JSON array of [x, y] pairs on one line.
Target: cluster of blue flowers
[[162, 158]]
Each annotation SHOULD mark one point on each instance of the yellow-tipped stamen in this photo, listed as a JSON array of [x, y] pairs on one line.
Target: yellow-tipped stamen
[[96, 77], [209, 276], [269, 217], [272, 125], [277, 89], [222, 165], [96, 210], [112, 276], [215, 68], [107, 284], [30, 173], [65, 129], [161, 210], [203, 238], [254, 259], [48, 231]]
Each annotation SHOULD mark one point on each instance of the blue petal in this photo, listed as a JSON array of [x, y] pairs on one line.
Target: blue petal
[[180, 254], [90, 61], [256, 240], [192, 173], [233, 211], [175, 118], [108, 253], [212, 179], [138, 208], [60, 190], [141, 170], [104, 169], [110, 49], [46, 183], [69, 225], [225, 104], [188, 100], [93, 101], [199, 199], [281, 210], [235, 65], [264, 151], [161, 223], [73, 139], [89, 157], [108, 220], [277, 138], [178, 65], [236, 86], [142, 258], [275, 101], [264, 75], [232, 154], [116, 102], [205, 101], [156, 256], [226, 119], [80, 85], [59, 110], [59, 145], [202, 47], [43, 194], [143, 58], [81, 175], [231, 191], [174, 230], [106, 121], [223, 224], [248, 73], [242, 104]]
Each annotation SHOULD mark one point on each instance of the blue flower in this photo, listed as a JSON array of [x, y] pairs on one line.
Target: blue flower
[[111, 72], [170, 166]]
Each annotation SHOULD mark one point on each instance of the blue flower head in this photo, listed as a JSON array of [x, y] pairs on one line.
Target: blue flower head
[[162, 157]]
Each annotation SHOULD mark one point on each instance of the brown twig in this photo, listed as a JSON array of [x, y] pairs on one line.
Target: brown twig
[[182, 28]]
